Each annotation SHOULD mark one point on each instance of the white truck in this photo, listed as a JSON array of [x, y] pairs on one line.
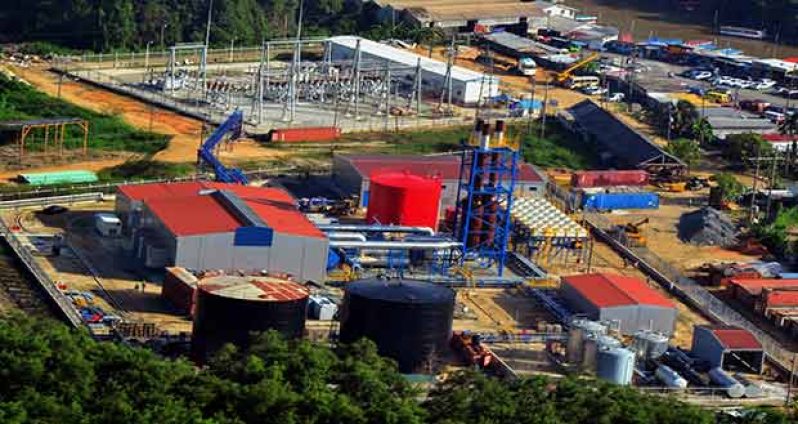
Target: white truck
[[527, 66]]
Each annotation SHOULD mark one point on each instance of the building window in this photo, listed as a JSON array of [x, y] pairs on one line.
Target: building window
[[533, 188]]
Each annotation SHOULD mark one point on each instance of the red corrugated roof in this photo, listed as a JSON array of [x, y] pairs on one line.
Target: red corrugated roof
[[754, 286], [779, 138], [446, 167], [607, 290], [736, 338], [185, 211], [782, 298]]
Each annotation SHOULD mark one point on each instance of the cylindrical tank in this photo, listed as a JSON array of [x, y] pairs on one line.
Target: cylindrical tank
[[410, 321], [230, 308], [579, 330], [670, 377], [650, 345], [720, 378], [400, 198], [615, 365]]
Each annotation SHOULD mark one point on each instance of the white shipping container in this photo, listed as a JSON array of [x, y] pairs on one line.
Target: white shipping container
[[108, 224]]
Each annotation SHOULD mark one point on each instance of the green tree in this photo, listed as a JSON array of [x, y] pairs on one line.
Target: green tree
[[745, 147], [729, 186], [685, 149]]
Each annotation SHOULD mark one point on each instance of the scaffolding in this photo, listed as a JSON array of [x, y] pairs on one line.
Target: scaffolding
[[488, 174], [53, 134]]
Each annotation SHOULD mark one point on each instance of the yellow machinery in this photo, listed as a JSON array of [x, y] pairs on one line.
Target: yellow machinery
[[563, 76], [633, 232], [718, 97]]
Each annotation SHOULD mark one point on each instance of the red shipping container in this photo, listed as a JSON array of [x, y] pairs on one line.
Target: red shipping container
[[179, 287], [586, 179], [289, 135], [401, 198], [780, 298]]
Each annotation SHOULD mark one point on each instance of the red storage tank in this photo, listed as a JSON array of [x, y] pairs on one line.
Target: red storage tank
[[586, 179], [400, 198], [305, 134]]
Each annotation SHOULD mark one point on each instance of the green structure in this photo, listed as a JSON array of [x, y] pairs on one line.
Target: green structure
[[61, 177]]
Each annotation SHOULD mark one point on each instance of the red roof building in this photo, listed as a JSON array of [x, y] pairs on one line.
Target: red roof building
[[627, 300], [206, 225], [730, 348], [743, 288], [352, 173]]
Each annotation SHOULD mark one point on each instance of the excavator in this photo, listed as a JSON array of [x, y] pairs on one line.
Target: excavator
[[561, 77], [633, 233]]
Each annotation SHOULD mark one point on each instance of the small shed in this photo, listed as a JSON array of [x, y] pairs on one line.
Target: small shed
[[730, 348]]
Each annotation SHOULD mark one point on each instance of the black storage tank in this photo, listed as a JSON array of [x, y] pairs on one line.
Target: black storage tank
[[229, 309], [410, 321]]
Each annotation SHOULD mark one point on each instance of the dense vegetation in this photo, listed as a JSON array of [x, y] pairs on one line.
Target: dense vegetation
[[19, 101], [777, 235], [52, 374], [126, 24]]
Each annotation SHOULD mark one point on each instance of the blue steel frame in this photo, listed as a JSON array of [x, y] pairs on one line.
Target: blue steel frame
[[478, 200]]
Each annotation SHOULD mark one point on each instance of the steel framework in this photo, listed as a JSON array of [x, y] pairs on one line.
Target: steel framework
[[484, 200], [54, 130]]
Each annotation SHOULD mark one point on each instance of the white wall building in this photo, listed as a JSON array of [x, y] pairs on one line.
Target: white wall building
[[468, 86]]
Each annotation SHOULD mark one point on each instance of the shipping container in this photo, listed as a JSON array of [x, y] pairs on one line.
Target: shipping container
[[583, 179], [290, 135], [614, 201]]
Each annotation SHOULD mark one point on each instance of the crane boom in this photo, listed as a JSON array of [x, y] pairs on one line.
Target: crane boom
[[205, 155], [562, 76]]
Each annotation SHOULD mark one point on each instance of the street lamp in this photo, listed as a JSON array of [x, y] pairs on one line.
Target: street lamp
[[163, 27], [147, 55]]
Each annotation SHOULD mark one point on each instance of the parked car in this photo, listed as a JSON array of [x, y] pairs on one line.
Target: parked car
[[616, 97], [54, 210], [594, 91], [764, 84]]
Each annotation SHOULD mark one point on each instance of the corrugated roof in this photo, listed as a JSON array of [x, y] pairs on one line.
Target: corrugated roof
[[782, 298], [735, 338], [626, 144], [754, 286], [608, 290], [259, 289], [445, 167], [189, 209], [408, 58]]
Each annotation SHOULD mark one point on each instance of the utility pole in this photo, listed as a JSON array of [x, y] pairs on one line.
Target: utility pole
[[753, 188], [208, 26], [147, 56], [544, 111], [772, 182], [531, 110], [232, 45]]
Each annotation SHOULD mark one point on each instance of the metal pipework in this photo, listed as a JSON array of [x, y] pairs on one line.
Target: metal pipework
[[397, 245], [375, 229], [334, 235]]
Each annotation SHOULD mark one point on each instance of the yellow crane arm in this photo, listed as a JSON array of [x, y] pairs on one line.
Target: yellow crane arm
[[562, 76]]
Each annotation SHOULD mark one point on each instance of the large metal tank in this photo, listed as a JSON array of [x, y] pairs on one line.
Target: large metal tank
[[230, 308], [670, 378], [731, 386], [580, 330], [650, 345], [401, 198], [410, 321], [615, 365]]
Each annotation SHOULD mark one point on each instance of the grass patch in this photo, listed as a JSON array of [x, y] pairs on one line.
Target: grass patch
[[106, 132], [558, 148], [147, 170]]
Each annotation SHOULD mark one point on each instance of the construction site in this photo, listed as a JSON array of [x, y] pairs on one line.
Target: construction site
[[629, 272]]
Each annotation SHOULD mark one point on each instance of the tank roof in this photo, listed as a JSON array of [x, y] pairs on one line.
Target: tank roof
[[254, 288], [403, 180], [401, 291]]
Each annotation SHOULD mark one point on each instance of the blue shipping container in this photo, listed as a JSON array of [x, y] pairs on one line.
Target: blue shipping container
[[612, 201]]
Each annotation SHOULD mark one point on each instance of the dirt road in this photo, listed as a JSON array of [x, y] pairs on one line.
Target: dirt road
[[185, 132]]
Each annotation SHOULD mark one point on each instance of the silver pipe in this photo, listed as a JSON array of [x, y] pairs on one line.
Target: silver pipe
[[375, 228], [397, 245], [335, 235]]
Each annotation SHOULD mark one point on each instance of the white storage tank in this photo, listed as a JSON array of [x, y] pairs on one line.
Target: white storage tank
[[615, 365], [592, 345], [580, 330], [108, 224], [650, 345], [732, 387], [670, 378]]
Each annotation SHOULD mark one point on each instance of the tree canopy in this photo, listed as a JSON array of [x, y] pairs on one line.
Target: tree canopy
[[53, 374]]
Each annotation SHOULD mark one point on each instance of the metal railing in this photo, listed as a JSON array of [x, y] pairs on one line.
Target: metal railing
[[44, 280], [687, 289]]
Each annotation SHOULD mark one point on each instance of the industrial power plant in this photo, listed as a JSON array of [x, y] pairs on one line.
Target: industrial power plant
[[309, 213]]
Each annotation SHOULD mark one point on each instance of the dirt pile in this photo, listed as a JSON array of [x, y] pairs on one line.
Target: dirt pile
[[707, 227]]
